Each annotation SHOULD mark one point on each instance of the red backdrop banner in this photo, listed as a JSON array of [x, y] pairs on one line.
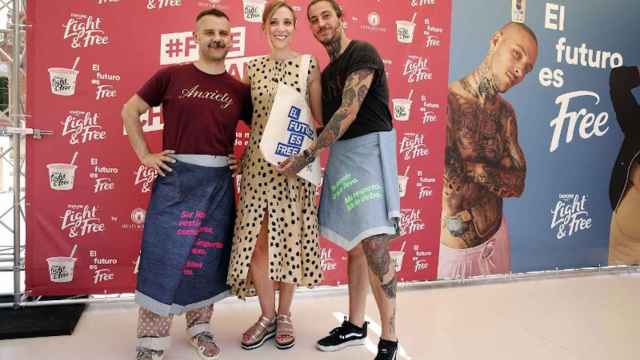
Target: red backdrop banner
[[86, 191]]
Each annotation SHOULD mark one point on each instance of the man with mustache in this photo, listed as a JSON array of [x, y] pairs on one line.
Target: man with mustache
[[360, 202], [187, 235], [483, 160]]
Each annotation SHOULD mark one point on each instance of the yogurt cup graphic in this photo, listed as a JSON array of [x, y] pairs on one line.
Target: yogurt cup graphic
[[253, 10], [61, 269], [401, 109], [63, 81], [397, 257], [61, 176], [402, 181], [405, 30]]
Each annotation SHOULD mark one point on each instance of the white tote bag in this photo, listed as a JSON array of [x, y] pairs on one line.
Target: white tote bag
[[290, 128]]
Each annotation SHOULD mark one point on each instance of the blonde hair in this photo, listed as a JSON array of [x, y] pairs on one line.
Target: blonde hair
[[274, 6]]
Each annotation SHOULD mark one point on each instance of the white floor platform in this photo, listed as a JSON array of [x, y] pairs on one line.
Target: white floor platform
[[586, 318]]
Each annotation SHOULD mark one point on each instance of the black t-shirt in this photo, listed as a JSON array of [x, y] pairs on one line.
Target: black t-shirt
[[374, 114]]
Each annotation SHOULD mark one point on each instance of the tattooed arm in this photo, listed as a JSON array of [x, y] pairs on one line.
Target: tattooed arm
[[355, 89], [454, 173], [505, 179]]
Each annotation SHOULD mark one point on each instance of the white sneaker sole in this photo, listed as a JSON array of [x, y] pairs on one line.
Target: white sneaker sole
[[341, 346]]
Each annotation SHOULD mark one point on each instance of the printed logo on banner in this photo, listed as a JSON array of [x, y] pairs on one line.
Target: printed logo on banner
[[85, 31], [416, 69], [102, 175], [425, 186], [327, 262], [397, 257], [61, 268], [416, 3], [373, 19], [161, 4], [137, 219], [101, 273], [403, 181], [571, 120], [570, 215], [253, 9], [83, 127], [410, 221], [212, 3], [419, 261], [412, 146], [181, 47], [138, 216], [406, 29], [373, 23], [428, 110], [104, 83], [432, 33], [81, 220], [518, 10], [144, 177], [402, 107], [242, 138], [63, 80], [62, 175]]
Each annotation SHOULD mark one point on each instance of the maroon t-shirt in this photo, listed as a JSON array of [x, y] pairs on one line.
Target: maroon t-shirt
[[200, 110]]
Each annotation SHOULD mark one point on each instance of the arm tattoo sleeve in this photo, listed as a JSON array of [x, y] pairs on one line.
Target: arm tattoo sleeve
[[506, 179], [454, 165], [355, 89]]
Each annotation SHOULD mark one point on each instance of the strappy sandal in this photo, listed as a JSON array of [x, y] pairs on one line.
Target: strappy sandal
[[285, 338], [263, 330], [205, 344]]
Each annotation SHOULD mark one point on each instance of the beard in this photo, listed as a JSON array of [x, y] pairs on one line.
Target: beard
[[335, 36]]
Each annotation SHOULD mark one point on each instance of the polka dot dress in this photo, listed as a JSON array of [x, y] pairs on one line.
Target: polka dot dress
[[294, 251]]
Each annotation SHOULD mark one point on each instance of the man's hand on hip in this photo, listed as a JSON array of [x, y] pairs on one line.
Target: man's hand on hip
[[158, 161]]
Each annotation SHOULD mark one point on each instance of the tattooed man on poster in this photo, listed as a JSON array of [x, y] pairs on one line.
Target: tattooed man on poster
[[360, 202], [483, 160]]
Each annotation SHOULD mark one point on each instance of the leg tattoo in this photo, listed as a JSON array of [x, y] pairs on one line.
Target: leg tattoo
[[376, 249]]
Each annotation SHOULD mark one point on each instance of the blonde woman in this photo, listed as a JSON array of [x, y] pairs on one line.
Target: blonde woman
[[276, 231]]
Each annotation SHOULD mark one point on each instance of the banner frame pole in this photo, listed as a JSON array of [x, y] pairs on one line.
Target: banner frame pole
[[414, 285]]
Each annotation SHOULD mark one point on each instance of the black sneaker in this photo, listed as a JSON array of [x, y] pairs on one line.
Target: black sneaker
[[387, 350], [341, 337]]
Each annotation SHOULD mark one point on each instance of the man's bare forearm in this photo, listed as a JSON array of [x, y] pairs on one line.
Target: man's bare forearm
[[131, 120], [333, 131]]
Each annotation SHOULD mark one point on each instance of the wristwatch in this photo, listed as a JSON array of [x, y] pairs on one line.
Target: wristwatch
[[456, 226], [308, 156]]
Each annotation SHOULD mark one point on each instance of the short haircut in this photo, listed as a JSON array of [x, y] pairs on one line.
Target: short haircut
[[520, 26], [212, 12], [334, 4], [274, 6]]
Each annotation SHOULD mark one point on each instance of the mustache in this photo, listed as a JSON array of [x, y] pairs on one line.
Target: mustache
[[217, 44]]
